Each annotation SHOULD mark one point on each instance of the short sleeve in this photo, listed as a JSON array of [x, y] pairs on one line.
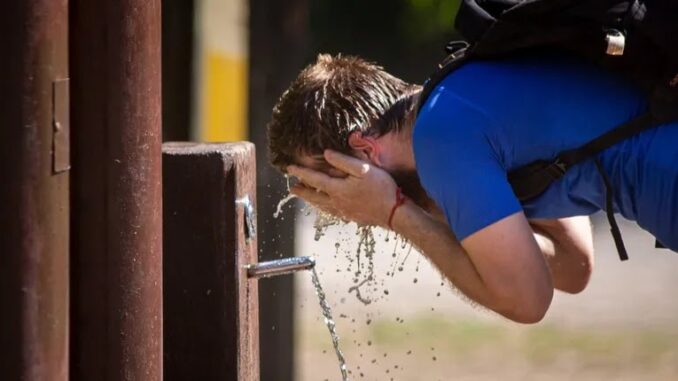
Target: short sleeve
[[460, 170]]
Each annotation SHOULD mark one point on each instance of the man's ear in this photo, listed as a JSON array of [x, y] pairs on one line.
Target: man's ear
[[365, 147]]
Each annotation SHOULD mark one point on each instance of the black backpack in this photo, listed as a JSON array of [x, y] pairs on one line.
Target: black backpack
[[634, 38]]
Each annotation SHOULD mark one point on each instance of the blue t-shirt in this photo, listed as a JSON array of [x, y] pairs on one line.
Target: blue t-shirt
[[490, 117]]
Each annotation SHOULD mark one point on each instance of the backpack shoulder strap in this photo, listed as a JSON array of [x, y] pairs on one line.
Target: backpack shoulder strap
[[459, 52], [532, 180]]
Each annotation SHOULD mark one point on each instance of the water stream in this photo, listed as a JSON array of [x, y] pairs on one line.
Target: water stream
[[329, 321]]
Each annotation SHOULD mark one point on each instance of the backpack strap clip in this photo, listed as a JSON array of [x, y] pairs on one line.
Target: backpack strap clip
[[557, 168], [455, 46]]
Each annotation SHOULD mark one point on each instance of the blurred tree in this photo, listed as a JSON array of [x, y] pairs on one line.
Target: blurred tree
[[405, 36], [428, 20]]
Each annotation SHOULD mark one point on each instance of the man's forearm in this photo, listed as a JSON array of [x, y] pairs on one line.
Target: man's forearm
[[435, 240]]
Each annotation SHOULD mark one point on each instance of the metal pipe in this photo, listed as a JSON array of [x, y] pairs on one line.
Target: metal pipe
[[34, 199], [116, 190], [279, 267]]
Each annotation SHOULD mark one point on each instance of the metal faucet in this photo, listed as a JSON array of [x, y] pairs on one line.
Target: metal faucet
[[279, 267]]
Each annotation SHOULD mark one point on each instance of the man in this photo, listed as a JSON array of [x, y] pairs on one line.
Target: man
[[350, 133]]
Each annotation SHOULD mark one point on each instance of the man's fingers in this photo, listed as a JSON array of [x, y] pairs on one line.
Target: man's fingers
[[348, 164], [310, 177], [310, 195], [317, 199]]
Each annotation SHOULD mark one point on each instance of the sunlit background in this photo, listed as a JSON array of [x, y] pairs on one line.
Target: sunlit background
[[225, 62]]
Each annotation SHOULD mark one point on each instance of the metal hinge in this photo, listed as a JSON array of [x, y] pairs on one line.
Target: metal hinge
[[250, 218], [61, 126]]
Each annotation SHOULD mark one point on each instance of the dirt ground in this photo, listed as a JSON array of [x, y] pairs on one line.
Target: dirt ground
[[624, 326]]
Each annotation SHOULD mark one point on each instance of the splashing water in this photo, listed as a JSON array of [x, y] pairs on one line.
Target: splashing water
[[322, 222], [285, 200], [361, 261], [282, 203], [358, 295], [329, 321], [367, 246]]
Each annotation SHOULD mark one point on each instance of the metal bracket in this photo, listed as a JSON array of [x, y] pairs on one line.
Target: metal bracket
[[616, 40], [250, 217], [61, 150]]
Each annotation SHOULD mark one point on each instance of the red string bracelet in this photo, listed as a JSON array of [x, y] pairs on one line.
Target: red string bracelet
[[400, 199]]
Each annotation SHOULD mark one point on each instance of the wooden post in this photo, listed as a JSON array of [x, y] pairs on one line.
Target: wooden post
[[210, 306]]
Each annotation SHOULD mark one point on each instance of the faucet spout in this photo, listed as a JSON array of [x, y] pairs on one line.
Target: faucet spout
[[279, 267]]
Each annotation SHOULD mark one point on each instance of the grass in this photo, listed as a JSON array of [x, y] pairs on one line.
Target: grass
[[538, 344]]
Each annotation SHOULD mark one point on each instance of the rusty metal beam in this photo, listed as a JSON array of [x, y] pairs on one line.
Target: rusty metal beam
[[210, 306], [116, 190], [34, 202]]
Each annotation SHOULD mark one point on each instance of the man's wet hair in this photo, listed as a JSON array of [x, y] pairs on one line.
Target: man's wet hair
[[331, 98]]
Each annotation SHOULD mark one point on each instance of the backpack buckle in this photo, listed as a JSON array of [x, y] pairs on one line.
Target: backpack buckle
[[616, 40]]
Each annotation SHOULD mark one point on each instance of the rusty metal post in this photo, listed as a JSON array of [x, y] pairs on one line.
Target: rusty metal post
[[34, 202], [116, 190], [210, 305]]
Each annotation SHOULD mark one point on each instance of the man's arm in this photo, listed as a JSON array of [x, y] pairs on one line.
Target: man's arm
[[515, 283], [567, 244], [500, 266]]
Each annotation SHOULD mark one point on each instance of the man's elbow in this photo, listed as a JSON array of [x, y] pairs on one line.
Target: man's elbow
[[577, 282], [531, 316], [530, 308], [575, 287]]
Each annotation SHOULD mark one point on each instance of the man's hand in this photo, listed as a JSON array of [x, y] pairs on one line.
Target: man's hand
[[365, 196]]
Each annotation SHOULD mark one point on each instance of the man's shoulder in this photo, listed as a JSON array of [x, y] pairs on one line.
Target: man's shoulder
[[448, 117]]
